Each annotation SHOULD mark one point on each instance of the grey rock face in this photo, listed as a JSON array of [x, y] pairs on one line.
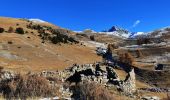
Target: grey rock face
[[129, 85]]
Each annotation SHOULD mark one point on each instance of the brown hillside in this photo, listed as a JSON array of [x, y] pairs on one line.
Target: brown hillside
[[27, 53]]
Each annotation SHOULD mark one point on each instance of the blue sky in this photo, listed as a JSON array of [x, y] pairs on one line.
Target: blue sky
[[134, 15]]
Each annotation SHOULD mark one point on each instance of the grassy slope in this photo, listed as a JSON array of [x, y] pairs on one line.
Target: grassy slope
[[35, 56]]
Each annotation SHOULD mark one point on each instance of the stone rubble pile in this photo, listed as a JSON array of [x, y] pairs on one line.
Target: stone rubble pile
[[102, 74], [106, 77], [129, 84]]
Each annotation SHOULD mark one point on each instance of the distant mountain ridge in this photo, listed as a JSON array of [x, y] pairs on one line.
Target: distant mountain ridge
[[160, 32], [121, 32], [165, 31]]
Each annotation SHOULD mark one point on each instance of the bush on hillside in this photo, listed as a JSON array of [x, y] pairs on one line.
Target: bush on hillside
[[111, 47], [41, 31], [10, 30], [62, 38], [58, 35], [141, 41], [92, 38], [56, 40], [34, 26], [10, 42], [19, 30], [23, 87], [71, 39], [1, 30], [126, 58], [26, 31], [92, 91]]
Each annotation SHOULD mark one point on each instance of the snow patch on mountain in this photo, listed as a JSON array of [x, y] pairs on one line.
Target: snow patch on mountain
[[86, 31], [120, 32], [159, 32], [36, 20], [137, 34], [78, 31], [115, 33]]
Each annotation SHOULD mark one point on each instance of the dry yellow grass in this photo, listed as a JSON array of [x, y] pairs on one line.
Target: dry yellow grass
[[6, 22], [36, 56], [122, 74]]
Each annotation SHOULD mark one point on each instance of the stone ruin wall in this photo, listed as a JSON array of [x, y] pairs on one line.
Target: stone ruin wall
[[129, 85]]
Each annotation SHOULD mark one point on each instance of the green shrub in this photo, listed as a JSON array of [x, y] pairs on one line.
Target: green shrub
[[19, 30], [10, 42], [55, 40], [1, 30], [26, 31]]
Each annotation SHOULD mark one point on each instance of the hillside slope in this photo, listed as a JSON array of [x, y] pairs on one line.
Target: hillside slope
[[27, 52]]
